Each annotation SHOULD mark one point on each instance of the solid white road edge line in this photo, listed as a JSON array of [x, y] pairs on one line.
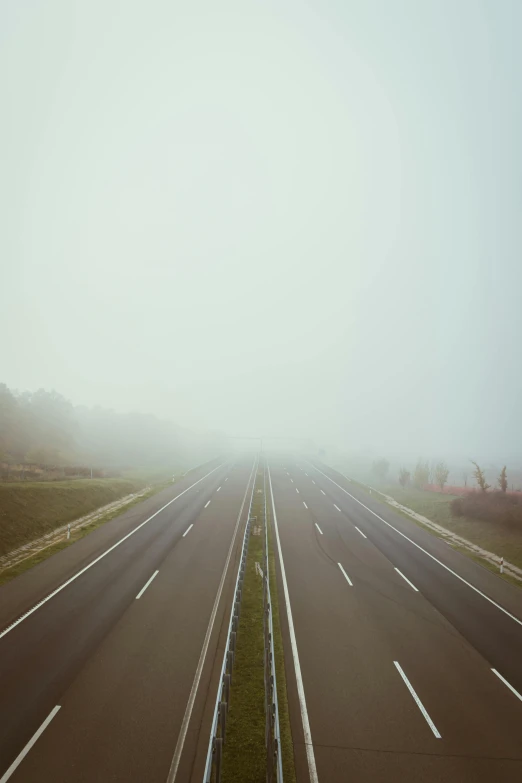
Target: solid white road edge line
[[192, 696], [360, 531], [406, 579], [517, 694], [345, 575], [516, 619], [207, 503], [418, 702], [148, 583], [187, 530], [100, 557], [5, 777], [319, 529], [337, 507], [295, 655]]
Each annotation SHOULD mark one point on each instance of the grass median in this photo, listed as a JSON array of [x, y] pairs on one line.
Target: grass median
[[244, 757]]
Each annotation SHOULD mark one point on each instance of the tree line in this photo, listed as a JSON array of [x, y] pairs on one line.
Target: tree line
[[45, 428]]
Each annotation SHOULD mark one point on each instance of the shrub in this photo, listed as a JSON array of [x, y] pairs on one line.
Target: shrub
[[497, 507]]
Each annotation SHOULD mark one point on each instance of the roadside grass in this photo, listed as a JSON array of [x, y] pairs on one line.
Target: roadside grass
[[503, 540], [33, 509], [244, 753], [76, 534], [287, 745]]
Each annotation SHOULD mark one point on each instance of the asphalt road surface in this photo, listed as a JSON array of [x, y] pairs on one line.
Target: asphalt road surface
[[107, 680], [391, 642]]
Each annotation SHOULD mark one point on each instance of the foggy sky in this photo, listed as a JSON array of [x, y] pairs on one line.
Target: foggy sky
[[274, 218]]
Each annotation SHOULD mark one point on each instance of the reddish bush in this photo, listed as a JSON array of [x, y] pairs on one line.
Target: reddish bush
[[498, 507]]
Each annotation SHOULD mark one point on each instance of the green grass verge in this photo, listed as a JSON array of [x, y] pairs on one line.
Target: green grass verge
[[244, 756], [10, 573], [287, 745], [29, 510]]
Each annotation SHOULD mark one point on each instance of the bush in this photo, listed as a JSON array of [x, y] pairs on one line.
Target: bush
[[497, 507]]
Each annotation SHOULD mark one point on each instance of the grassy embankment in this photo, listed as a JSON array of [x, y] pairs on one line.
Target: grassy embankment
[[29, 510]]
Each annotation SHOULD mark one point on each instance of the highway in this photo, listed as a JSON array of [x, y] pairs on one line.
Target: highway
[[108, 648], [391, 640]]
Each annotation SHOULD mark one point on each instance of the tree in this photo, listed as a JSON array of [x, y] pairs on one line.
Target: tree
[[380, 468], [481, 479], [441, 474], [421, 474], [404, 477], [502, 480]]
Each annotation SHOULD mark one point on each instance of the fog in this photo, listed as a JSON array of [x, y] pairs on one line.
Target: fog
[[268, 218]]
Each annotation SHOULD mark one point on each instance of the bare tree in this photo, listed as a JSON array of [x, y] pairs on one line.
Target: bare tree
[[481, 479], [404, 477], [441, 474], [421, 474], [502, 480]]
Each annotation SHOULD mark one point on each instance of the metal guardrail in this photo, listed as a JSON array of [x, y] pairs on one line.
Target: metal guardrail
[[274, 766], [219, 721]]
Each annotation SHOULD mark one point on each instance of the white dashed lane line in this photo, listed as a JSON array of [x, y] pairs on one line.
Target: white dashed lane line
[[217, 490], [517, 694], [418, 702], [297, 490], [187, 530], [406, 579], [324, 493], [360, 531], [345, 575], [147, 584], [304, 504], [337, 507], [29, 745], [319, 529], [207, 503]]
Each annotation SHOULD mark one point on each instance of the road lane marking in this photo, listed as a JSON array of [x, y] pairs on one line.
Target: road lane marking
[[195, 684], [517, 694], [217, 490], [100, 557], [324, 493], [418, 702], [292, 481], [304, 504], [337, 507], [319, 529], [313, 482], [207, 503], [345, 575], [491, 601], [226, 478], [306, 474], [187, 530], [309, 748], [297, 490], [5, 777], [406, 579], [360, 531], [150, 580]]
